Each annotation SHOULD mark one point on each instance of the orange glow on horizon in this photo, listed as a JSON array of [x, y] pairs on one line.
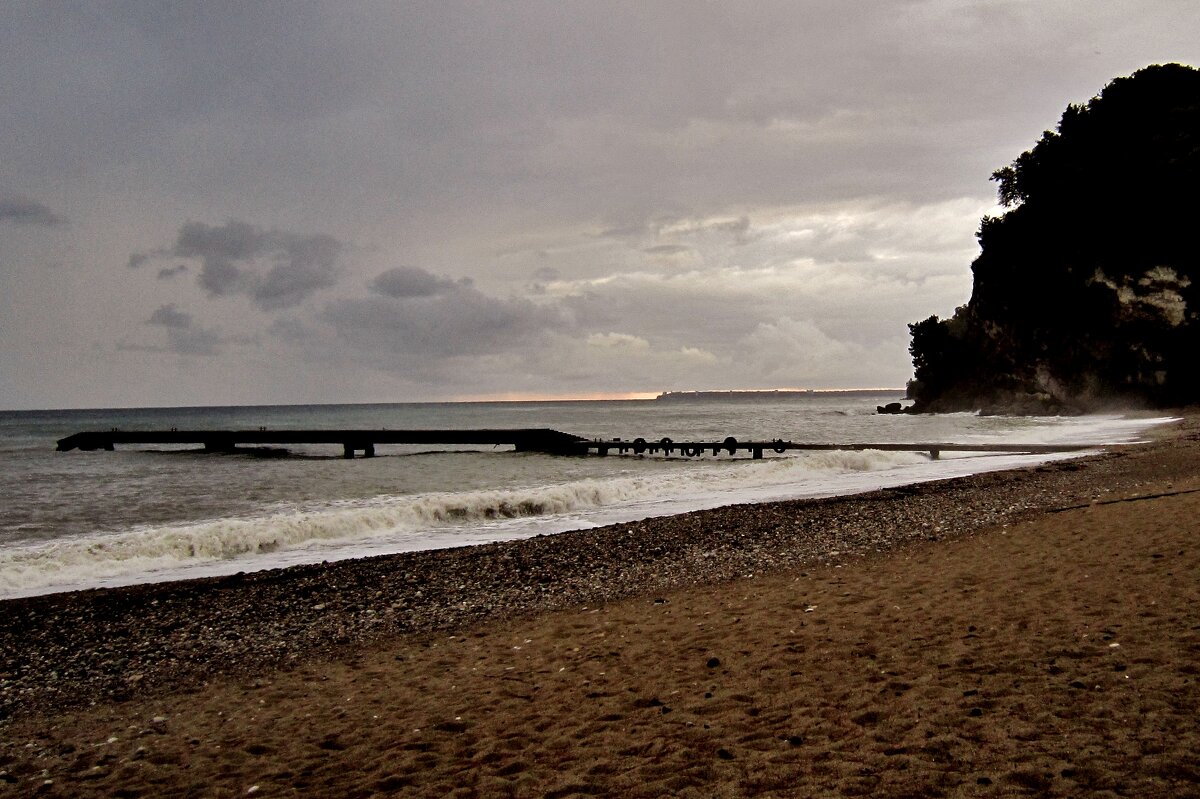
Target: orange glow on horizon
[[520, 396], [529, 396]]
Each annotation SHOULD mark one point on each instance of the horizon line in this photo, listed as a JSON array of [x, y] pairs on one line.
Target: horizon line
[[504, 397]]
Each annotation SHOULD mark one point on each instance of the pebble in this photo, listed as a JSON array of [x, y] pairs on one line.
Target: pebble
[[115, 643]]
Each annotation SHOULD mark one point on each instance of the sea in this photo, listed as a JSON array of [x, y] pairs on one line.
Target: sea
[[76, 520]]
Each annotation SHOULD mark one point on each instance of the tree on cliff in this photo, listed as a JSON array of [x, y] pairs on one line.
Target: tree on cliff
[[1085, 289]]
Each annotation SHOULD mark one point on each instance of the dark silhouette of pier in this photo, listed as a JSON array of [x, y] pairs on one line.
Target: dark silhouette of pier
[[522, 440], [756, 448], [352, 441]]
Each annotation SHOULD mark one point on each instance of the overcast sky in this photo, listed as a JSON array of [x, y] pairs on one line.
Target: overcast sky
[[233, 203]]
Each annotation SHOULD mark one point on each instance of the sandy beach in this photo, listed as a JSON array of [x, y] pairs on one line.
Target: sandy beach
[[1032, 632]]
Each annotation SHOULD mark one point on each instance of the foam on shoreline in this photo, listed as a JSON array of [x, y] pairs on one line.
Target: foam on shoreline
[[381, 525]]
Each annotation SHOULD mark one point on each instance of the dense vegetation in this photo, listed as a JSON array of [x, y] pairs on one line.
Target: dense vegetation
[[1085, 289]]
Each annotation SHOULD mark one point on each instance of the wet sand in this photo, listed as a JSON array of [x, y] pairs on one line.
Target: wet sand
[[1028, 632]]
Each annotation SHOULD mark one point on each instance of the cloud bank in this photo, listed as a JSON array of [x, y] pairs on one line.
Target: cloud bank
[[356, 201]]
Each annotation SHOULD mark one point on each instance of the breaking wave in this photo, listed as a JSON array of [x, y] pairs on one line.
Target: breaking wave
[[397, 523], [286, 534]]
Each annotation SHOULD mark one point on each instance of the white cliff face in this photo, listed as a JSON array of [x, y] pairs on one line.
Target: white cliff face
[[1156, 291]]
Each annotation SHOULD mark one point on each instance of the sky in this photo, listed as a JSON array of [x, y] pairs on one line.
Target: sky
[[214, 203]]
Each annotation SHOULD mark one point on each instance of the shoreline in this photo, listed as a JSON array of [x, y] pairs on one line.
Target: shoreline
[[115, 643], [235, 567], [72, 534], [1030, 632]]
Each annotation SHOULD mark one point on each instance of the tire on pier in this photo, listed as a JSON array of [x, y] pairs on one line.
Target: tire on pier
[[666, 446], [730, 445], [639, 446]]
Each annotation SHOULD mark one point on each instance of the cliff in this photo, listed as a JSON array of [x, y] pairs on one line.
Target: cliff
[[1085, 289]]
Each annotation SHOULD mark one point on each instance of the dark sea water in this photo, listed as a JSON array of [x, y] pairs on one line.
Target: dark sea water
[[84, 519]]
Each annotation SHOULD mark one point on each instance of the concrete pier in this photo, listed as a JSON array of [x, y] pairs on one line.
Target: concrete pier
[[351, 441], [522, 440]]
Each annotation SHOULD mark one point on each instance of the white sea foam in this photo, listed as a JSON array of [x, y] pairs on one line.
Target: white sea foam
[[345, 528], [340, 529]]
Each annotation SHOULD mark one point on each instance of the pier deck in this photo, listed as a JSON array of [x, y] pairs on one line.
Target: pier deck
[[352, 441], [523, 440]]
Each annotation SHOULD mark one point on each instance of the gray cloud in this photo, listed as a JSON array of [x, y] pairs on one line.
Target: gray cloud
[[23, 211], [303, 266], [233, 241], [170, 316], [408, 281], [183, 337], [500, 108], [460, 322], [168, 272], [220, 248], [275, 269], [194, 341]]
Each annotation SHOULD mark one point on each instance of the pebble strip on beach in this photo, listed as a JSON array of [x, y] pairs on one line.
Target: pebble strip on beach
[[71, 650]]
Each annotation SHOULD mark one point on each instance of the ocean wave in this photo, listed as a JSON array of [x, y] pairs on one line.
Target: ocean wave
[[93, 559]]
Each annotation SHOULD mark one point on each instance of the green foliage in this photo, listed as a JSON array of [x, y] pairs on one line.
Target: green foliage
[[1086, 287]]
